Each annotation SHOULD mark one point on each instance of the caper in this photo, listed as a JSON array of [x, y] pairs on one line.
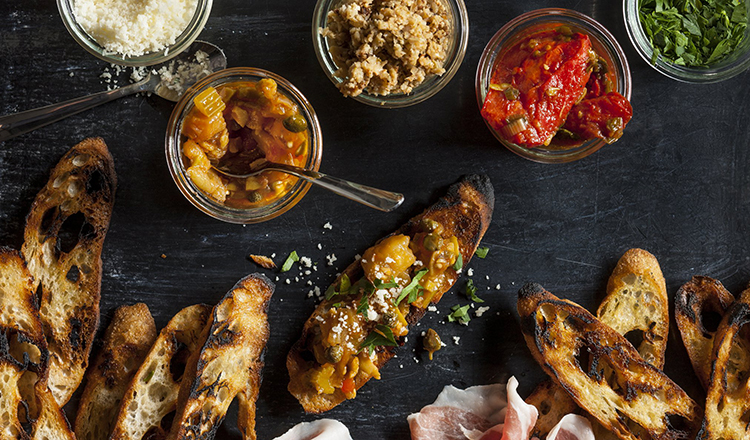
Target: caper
[[565, 30], [432, 242], [429, 225], [248, 93], [254, 197], [389, 319], [295, 123], [511, 93], [334, 353], [431, 342]]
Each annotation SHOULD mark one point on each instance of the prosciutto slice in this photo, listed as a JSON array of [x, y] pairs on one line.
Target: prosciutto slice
[[323, 429], [457, 413], [478, 413], [572, 427]]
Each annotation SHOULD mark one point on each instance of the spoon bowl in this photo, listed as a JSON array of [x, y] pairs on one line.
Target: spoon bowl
[[366, 195], [168, 80]]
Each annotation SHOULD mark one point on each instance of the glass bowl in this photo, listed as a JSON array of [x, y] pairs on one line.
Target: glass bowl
[[182, 42], [733, 65], [432, 83], [174, 139], [531, 22]]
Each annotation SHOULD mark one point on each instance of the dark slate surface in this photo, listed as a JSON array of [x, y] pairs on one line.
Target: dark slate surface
[[675, 184]]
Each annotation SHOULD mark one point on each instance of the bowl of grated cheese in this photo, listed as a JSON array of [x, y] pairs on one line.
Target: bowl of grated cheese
[[135, 32]]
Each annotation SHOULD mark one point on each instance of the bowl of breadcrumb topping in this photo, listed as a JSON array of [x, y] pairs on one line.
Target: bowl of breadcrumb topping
[[135, 32], [390, 53]]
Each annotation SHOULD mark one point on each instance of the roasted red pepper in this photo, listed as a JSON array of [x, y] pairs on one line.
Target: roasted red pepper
[[536, 83], [603, 117]]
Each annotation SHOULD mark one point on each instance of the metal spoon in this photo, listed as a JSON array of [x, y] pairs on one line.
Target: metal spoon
[[366, 195], [166, 86]]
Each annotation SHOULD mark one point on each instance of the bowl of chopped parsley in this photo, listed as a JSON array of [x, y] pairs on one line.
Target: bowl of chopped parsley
[[695, 41]]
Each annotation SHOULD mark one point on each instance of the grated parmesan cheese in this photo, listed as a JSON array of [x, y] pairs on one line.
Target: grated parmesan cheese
[[134, 27]]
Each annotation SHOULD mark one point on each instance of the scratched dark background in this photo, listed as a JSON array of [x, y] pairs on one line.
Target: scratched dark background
[[676, 184]]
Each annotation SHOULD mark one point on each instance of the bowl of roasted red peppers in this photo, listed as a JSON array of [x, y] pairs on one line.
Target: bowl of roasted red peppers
[[553, 86]]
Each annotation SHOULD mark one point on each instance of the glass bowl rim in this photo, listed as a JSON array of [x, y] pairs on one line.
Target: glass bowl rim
[[204, 203], [599, 35], [725, 69], [422, 92], [182, 42]]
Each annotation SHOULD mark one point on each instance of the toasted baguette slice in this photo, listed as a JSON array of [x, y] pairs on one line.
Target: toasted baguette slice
[[63, 240], [26, 404], [637, 301], [620, 388], [127, 341], [553, 403], [727, 403], [152, 393], [228, 363], [700, 304], [461, 217]]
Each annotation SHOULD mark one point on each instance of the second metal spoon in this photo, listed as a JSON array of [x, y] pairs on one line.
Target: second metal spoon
[[366, 195]]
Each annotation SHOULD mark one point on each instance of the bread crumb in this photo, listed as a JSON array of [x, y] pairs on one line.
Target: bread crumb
[[164, 255]]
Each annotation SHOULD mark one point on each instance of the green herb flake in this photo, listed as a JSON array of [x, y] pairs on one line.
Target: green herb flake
[[459, 264], [460, 314], [290, 260], [482, 252], [381, 336], [693, 33], [471, 291], [149, 376], [345, 286], [411, 291]]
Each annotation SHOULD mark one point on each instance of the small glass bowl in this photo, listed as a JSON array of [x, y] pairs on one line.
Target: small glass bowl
[[603, 43], [733, 65], [182, 42], [431, 85], [173, 146]]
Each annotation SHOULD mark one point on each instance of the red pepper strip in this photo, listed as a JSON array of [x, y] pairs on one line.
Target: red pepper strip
[[550, 72], [348, 385], [603, 117]]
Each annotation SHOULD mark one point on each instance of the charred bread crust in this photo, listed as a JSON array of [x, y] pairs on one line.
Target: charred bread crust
[[637, 301], [129, 337], [228, 362], [152, 393], [727, 405], [27, 408], [561, 335], [696, 301], [63, 240], [465, 211]]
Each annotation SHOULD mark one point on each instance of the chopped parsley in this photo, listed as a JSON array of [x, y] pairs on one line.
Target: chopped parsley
[[460, 314], [290, 260], [344, 286], [471, 291], [381, 336], [693, 33], [411, 291], [482, 252], [459, 264]]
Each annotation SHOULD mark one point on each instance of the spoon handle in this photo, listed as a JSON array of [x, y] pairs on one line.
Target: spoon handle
[[366, 195], [23, 122]]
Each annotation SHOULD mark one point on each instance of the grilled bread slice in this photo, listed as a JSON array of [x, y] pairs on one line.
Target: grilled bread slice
[[602, 371], [127, 341], [368, 309], [727, 403], [152, 393], [553, 403], [63, 240], [27, 408], [227, 363], [636, 301], [700, 304]]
